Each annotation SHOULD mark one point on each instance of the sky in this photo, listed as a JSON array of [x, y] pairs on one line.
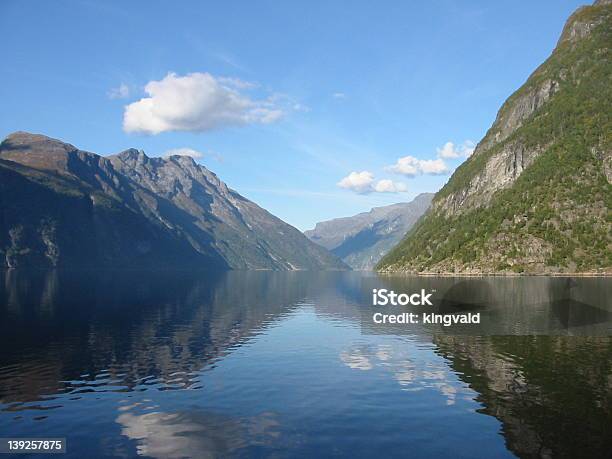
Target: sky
[[312, 109]]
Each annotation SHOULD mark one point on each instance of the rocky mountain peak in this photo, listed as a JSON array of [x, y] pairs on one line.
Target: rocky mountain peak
[[172, 174], [182, 159], [27, 142], [582, 23], [133, 154], [36, 150]]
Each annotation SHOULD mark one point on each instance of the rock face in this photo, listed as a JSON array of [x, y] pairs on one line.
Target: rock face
[[60, 206], [535, 195], [363, 239]]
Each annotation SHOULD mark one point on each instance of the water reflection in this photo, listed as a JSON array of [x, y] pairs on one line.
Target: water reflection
[[508, 305], [113, 331], [197, 433], [411, 375], [467, 296], [553, 394], [166, 364]]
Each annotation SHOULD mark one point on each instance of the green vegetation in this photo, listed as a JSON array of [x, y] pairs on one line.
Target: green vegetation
[[555, 216]]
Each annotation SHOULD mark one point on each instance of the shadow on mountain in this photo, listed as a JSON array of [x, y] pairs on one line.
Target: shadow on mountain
[[360, 241]]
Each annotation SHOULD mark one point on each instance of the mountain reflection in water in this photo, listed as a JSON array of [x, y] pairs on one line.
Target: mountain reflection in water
[[167, 364]]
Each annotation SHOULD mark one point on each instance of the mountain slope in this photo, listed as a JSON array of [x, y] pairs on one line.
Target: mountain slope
[[61, 206], [246, 236], [535, 195], [361, 240], [48, 220]]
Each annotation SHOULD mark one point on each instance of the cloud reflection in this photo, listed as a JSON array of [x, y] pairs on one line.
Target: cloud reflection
[[196, 433], [410, 375]]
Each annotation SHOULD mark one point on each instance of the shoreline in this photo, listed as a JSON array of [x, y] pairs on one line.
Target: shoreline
[[491, 274]]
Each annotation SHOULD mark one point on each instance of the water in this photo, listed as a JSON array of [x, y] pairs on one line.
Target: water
[[259, 364]]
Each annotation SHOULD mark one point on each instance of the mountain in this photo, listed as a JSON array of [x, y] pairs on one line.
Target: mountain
[[535, 196], [362, 240], [61, 206]]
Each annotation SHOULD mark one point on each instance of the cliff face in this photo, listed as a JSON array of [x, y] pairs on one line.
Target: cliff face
[[535, 195], [61, 206], [363, 239]]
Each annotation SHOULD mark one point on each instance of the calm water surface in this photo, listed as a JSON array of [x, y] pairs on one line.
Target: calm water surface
[[256, 364]]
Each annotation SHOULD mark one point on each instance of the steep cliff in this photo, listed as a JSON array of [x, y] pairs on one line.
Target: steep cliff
[[535, 195]]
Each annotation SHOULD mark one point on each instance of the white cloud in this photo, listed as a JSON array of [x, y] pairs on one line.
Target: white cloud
[[363, 183], [389, 186], [120, 92], [408, 165], [450, 150], [196, 102], [339, 95], [411, 166], [184, 152], [433, 166]]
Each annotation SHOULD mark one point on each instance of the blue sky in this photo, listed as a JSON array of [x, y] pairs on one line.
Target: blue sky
[[283, 100]]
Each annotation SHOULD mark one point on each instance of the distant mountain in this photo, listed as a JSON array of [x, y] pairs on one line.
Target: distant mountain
[[61, 206], [362, 240], [536, 194]]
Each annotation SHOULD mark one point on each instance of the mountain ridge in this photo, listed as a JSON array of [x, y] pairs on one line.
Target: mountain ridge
[[182, 210], [362, 239]]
